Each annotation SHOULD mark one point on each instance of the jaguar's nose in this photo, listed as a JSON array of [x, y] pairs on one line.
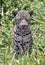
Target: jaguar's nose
[[24, 24]]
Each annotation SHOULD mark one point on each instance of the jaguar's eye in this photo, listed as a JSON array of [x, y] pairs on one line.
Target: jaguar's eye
[[27, 19], [18, 19]]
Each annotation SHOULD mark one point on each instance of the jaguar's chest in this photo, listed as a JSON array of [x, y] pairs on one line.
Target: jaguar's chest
[[21, 36]]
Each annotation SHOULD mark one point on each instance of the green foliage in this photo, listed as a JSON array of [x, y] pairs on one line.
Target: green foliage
[[37, 56]]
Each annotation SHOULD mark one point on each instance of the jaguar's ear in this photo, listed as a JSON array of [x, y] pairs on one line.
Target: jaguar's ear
[[14, 13], [31, 12]]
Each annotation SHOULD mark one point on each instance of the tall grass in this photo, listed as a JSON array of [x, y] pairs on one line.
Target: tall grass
[[37, 56]]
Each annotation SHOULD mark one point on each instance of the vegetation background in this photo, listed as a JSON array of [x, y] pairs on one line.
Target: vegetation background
[[37, 56]]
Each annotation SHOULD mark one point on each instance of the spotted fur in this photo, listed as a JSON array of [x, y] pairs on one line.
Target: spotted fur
[[22, 33]]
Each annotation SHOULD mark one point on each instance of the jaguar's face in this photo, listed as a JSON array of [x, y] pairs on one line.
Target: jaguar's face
[[22, 19], [22, 23]]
